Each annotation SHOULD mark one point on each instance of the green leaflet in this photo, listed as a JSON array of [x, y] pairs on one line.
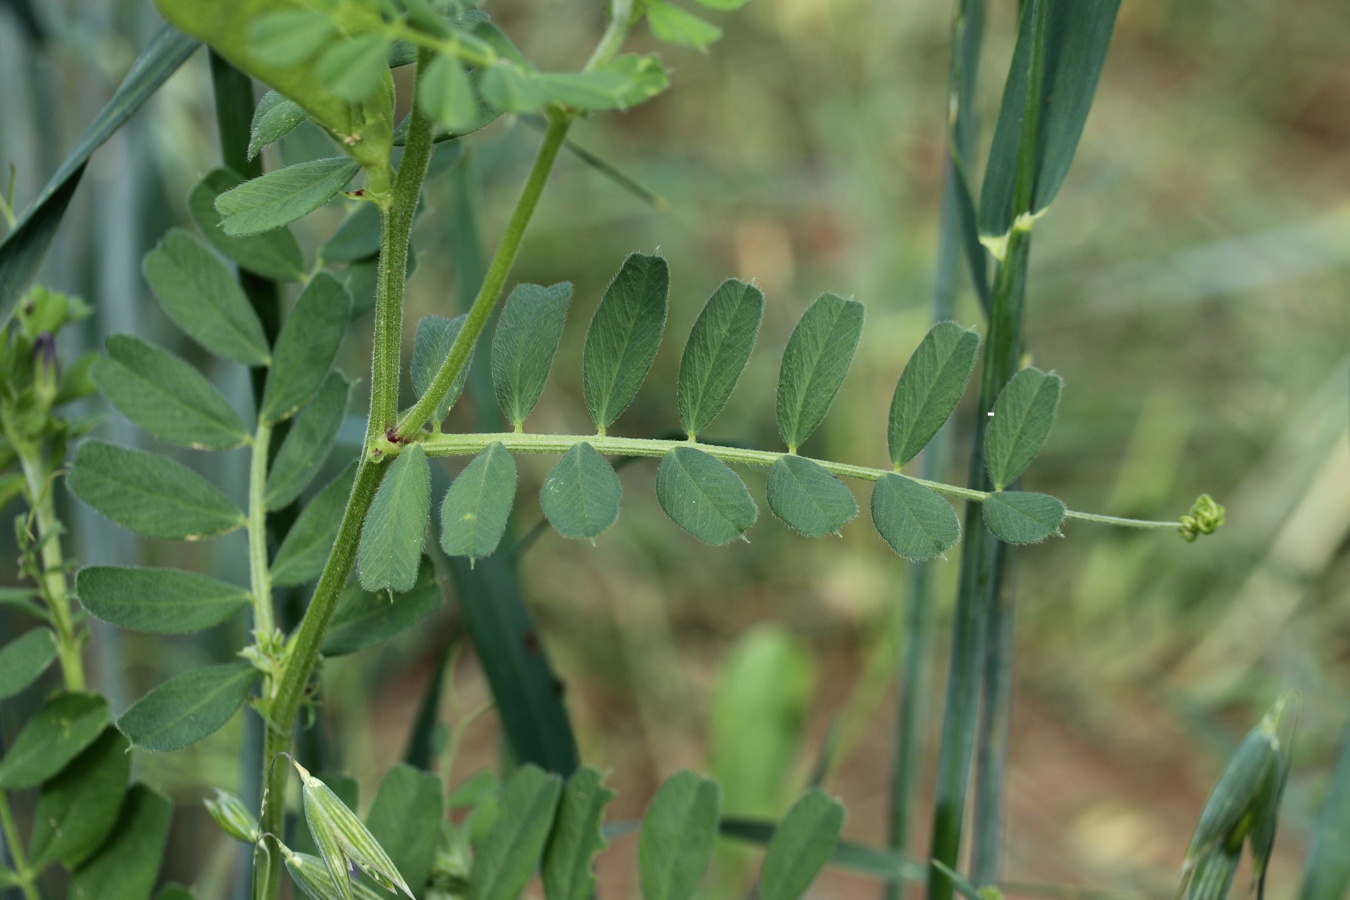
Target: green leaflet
[[307, 444], [395, 528], [305, 347], [675, 26], [1021, 422], [1020, 517], [506, 859], [355, 68], [475, 509], [77, 809], [165, 396], [930, 387], [56, 734], [150, 494], [22, 660], [274, 255], [703, 496], [510, 87], [290, 37], [280, 197], [445, 93], [814, 365], [917, 523], [576, 837], [874, 862], [188, 707], [718, 349], [126, 865], [800, 847], [163, 601], [723, 5], [357, 238], [675, 842], [201, 295], [524, 344], [1077, 35], [274, 118], [431, 346], [363, 620], [305, 550], [580, 496], [623, 337], [808, 498], [405, 820]]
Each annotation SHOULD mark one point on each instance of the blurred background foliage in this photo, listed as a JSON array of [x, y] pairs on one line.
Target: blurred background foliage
[[1190, 285]]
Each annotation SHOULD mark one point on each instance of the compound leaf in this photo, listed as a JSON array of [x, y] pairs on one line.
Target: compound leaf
[[77, 809], [363, 620], [201, 295], [305, 347], [507, 857], [1020, 517], [703, 496], [150, 494], [928, 390], [524, 344], [307, 444], [431, 347], [279, 198], [165, 396], [475, 509], [623, 337], [675, 842], [305, 550], [395, 528], [274, 255], [24, 659], [718, 349], [814, 365], [800, 846], [163, 601], [580, 496], [188, 707], [808, 498], [917, 523], [56, 734], [1021, 422], [576, 838]]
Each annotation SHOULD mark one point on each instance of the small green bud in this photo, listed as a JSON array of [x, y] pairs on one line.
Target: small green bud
[[234, 817]]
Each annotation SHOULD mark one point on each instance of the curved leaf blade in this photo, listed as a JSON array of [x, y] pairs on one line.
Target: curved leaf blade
[[24, 659], [188, 707], [307, 444], [719, 348], [524, 344], [395, 528], [800, 847], [161, 601], [581, 494], [507, 857], [476, 508], [363, 620], [623, 337], [305, 549], [1021, 422], [814, 365], [78, 808], [703, 496], [165, 396], [201, 295], [577, 837], [1020, 517], [306, 346], [150, 494], [807, 498], [917, 523], [57, 733], [274, 254], [676, 839], [431, 347], [280, 197], [929, 388]]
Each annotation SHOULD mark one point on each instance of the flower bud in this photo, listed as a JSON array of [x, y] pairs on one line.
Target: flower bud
[[233, 816]]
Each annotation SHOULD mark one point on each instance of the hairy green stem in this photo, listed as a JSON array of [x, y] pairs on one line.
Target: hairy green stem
[[260, 578], [52, 580], [11, 834]]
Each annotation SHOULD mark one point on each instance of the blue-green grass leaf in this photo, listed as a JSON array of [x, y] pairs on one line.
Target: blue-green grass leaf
[[24, 659], [808, 498], [57, 733], [188, 707], [576, 838], [476, 508], [363, 620], [814, 365], [305, 549], [77, 809], [623, 337], [718, 349], [703, 496], [150, 494], [279, 198], [165, 396], [1020, 517], [917, 523], [201, 295], [127, 865], [800, 847], [524, 344], [431, 346], [505, 861], [395, 528], [675, 841], [580, 496], [274, 254], [162, 601], [1021, 422], [308, 443], [306, 346], [929, 388]]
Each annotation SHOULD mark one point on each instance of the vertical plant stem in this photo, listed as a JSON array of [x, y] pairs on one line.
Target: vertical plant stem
[[52, 580], [260, 579], [11, 835]]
